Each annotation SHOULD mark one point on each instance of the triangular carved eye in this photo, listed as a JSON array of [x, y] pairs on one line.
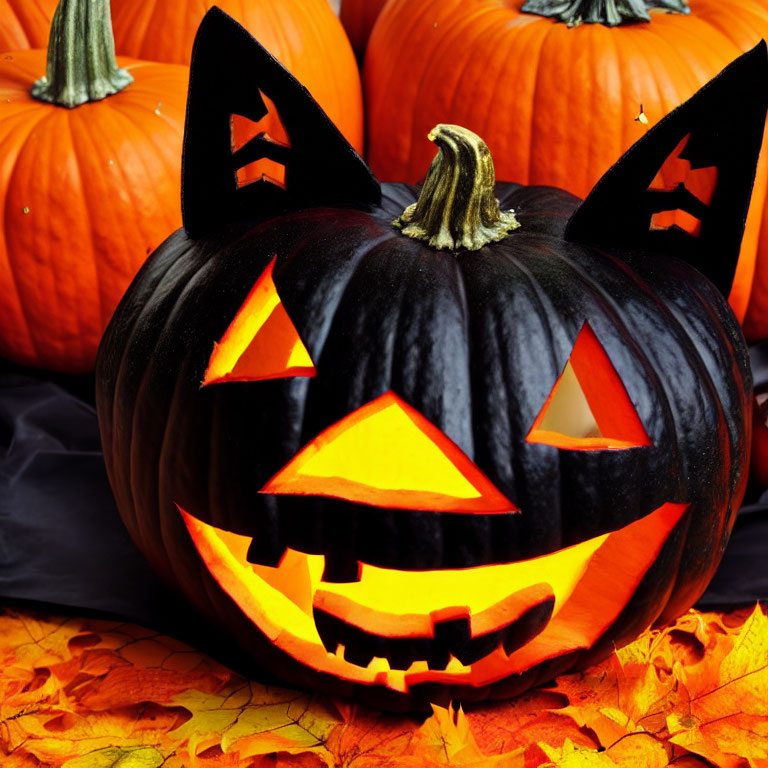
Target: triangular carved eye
[[387, 454], [588, 408], [261, 342]]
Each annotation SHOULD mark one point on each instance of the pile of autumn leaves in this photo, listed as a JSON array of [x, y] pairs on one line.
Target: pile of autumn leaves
[[96, 694]]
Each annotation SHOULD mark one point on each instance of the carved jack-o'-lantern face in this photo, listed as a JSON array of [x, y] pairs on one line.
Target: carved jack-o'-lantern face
[[399, 627], [407, 473]]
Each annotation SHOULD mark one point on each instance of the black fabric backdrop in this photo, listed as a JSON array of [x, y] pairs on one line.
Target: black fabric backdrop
[[62, 543]]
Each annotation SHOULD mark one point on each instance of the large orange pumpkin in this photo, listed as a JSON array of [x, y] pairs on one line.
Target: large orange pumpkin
[[304, 35], [25, 23], [556, 104], [85, 192]]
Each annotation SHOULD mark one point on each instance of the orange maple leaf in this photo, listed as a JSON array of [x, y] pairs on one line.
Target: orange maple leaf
[[78, 693]]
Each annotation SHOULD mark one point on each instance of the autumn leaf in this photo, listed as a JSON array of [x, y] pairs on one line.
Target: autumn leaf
[[699, 684], [79, 693], [368, 738], [645, 752], [446, 739], [115, 757], [524, 722], [725, 718], [255, 720]]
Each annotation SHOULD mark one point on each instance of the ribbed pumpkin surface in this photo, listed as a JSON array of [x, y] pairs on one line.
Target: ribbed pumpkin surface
[[25, 23], [85, 195], [556, 105], [474, 342]]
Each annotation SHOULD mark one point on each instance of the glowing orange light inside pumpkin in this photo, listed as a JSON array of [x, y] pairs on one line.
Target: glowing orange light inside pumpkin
[[261, 342], [591, 581], [588, 408], [387, 454]]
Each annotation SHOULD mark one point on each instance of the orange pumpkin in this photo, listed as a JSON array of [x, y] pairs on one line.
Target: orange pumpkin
[[358, 17], [85, 192], [556, 104], [25, 23], [304, 35]]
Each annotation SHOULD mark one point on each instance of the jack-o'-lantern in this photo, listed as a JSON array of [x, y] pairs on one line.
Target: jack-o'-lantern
[[408, 472]]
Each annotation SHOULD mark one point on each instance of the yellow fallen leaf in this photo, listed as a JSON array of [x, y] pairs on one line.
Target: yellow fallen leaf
[[571, 755], [725, 717], [255, 720], [115, 757]]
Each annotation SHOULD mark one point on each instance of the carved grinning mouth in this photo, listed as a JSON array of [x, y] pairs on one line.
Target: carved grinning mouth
[[399, 628], [448, 638]]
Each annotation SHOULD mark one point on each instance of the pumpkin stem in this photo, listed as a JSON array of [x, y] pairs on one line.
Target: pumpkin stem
[[610, 13], [457, 207], [81, 56]]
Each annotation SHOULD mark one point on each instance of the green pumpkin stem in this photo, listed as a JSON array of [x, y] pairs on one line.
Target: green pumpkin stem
[[457, 207], [81, 56], [610, 13]]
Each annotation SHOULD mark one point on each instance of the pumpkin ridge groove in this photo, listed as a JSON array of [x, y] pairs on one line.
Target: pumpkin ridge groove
[[700, 354], [545, 301], [176, 261], [84, 194], [409, 128], [459, 74], [125, 115], [25, 23], [537, 90], [496, 44], [21, 144], [618, 65], [51, 116], [508, 255], [461, 293], [359, 256], [124, 110], [148, 7], [168, 525]]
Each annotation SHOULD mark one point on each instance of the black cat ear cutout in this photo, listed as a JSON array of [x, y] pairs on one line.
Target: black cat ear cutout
[[683, 189], [229, 73]]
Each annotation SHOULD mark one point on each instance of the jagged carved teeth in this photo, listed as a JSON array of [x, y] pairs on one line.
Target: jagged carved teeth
[[451, 643], [339, 568], [379, 664], [446, 637]]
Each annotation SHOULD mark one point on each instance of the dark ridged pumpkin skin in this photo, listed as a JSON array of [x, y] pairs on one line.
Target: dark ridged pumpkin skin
[[474, 341]]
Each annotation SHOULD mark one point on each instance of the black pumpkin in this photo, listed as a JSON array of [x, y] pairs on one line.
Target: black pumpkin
[[394, 418]]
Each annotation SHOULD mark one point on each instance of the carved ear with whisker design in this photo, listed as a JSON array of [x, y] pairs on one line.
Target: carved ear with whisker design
[[684, 188], [229, 73]]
